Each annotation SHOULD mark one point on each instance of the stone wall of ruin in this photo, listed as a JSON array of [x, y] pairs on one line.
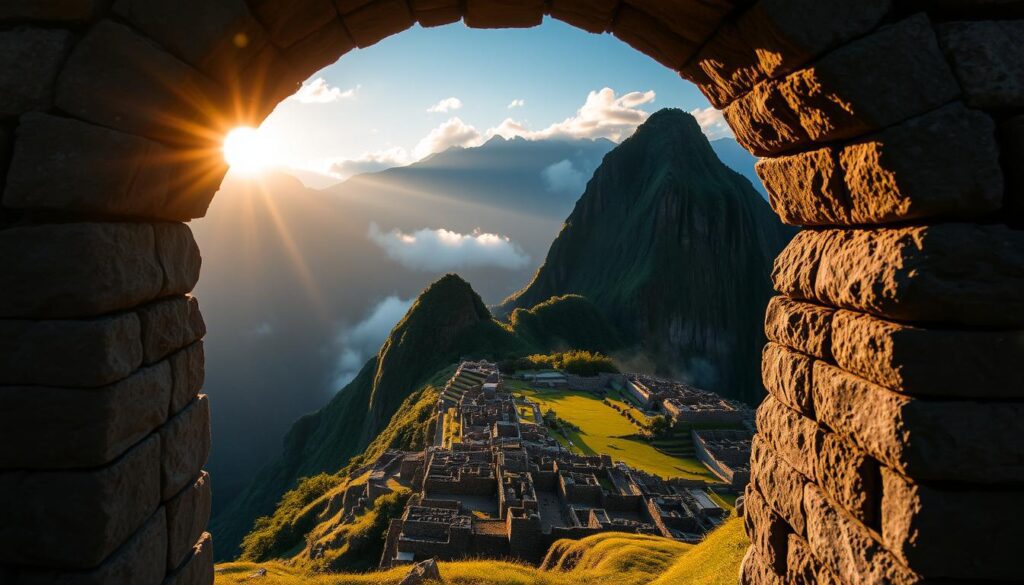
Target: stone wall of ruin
[[891, 130]]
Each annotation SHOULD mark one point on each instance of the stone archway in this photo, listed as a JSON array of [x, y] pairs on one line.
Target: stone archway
[[889, 446]]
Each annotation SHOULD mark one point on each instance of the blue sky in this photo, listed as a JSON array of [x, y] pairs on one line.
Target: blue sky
[[370, 109]]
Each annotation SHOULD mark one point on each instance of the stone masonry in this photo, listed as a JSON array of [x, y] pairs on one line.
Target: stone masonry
[[889, 448]]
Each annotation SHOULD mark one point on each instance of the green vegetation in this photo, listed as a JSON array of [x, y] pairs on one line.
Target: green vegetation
[[603, 559], [273, 535], [361, 541], [602, 430], [565, 321], [578, 362]]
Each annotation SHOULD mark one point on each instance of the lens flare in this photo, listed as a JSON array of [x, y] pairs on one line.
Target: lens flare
[[247, 151]]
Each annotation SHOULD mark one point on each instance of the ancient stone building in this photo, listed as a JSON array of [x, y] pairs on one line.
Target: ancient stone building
[[892, 130]]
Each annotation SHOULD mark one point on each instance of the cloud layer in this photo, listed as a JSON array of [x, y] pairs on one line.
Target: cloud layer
[[369, 162], [319, 91], [712, 122], [428, 250], [358, 343], [603, 115], [446, 105], [516, 104], [564, 177], [454, 132]]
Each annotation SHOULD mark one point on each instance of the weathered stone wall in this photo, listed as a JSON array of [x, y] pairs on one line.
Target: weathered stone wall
[[889, 449]]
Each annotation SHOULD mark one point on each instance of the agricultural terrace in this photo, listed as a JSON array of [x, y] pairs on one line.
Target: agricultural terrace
[[602, 430]]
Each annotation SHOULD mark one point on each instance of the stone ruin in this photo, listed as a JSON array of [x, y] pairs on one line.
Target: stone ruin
[[892, 131]]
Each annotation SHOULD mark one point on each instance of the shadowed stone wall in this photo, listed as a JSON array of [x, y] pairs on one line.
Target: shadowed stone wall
[[889, 448]]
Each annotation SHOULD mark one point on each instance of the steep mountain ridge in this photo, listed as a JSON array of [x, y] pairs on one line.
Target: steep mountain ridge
[[676, 249]]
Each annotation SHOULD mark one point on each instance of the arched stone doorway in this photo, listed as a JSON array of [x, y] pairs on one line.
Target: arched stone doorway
[[889, 447]]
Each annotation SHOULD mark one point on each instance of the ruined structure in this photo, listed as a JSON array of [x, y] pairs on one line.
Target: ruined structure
[[683, 403], [889, 449], [502, 486]]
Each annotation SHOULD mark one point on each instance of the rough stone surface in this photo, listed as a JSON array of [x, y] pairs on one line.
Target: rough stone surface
[[787, 376], [168, 101], [693, 20], [793, 437], [650, 36], [947, 273], [873, 82], [781, 486], [1011, 135], [801, 566], [945, 363], [77, 519], [77, 269], [187, 516], [188, 368], [763, 121], [910, 171], [218, 38], [767, 530], [73, 11], [59, 428], [186, 445], [169, 325], [179, 257], [504, 13], [138, 561], [101, 171], [850, 477], [806, 188], [198, 567], [803, 326], [30, 59], [755, 571], [78, 354], [321, 48], [288, 22], [590, 15], [376, 21], [436, 12], [422, 573], [267, 81], [928, 440], [988, 60], [925, 528], [726, 66], [843, 545]]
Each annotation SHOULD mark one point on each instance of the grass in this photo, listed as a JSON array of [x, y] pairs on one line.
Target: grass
[[603, 559], [604, 431]]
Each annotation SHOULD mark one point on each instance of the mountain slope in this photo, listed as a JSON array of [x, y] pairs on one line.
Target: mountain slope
[[676, 249]]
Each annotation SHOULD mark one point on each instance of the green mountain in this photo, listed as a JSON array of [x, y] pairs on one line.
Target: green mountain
[[676, 249]]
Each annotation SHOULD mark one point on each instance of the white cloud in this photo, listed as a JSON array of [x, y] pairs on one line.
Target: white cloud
[[517, 104], [369, 162], [438, 250], [357, 344], [446, 105], [712, 123], [603, 115], [564, 177], [319, 91], [454, 132]]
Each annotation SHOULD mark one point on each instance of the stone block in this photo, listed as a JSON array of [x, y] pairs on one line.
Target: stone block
[[803, 326], [169, 100], [806, 188], [187, 516], [953, 533], [321, 48], [1011, 138], [889, 76], [377, 21], [693, 20], [651, 37], [97, 170], [957, 440], [61, 428], [68, 11], [726, 66], [168, 325], [987, 59], [288, 22], [787, 376], [78, 354], [179, 257], [763, 121], [910, 171], [941, 363], [755, 571], [75, 520], [30, 59], [188, 373], [136, 562], [198, 567], [795, 438], [767, 530], [801, 566], [848, 548], [268, 80], [850, 478], [504, 13], [436, 12], [945, 273], [219, 38], [77, 269], [590, 15], [186, 445], [781, 486]]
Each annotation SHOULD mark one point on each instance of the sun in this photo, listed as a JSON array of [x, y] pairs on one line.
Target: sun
[[247, 151]]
